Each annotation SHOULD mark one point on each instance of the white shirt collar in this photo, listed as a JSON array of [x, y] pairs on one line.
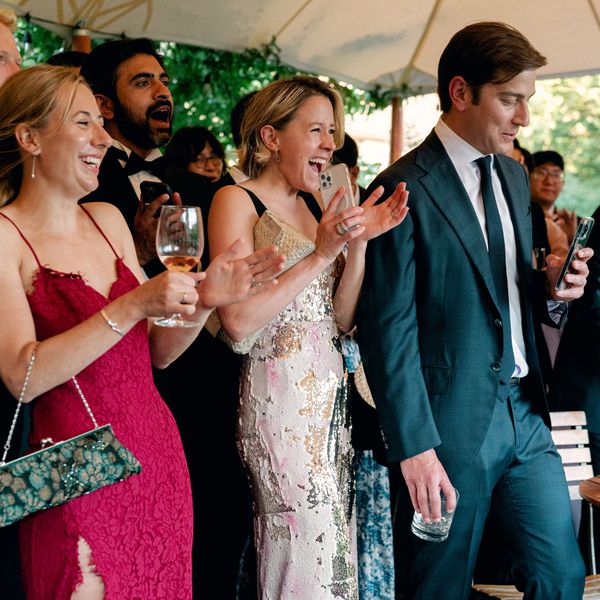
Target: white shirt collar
[[154, 153], [459, 151]]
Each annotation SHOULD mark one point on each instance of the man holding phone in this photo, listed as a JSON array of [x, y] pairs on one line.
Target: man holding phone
[[445, 328], [132, 90]]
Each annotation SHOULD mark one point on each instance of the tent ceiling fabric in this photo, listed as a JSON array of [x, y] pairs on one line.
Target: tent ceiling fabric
[[382, 42]]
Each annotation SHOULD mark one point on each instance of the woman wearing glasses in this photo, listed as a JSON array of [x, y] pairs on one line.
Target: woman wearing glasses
[[197, 150]]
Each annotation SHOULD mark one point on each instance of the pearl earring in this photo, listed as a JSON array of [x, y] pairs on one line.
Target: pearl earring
[[33, 167]]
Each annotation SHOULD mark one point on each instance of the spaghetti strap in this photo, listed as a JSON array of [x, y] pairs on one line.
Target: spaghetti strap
[[312, 205], [310, 201], [98, 228], [258, 205], [24, 239]]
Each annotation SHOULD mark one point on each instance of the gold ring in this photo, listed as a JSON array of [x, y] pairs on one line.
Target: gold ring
[[341, 228], [183, 298], [395, 213]]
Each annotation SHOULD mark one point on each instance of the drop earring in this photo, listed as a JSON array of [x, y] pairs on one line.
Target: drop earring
[[33, 167], [277, 157]]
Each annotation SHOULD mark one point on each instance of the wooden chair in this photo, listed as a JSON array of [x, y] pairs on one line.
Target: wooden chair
[[572, 442]]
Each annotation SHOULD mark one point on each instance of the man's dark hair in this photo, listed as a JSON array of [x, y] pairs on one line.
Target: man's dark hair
[[100, 68], [347, 154], [548, 156], [188, 142], [68, 58], [486, 52], [236, 116]]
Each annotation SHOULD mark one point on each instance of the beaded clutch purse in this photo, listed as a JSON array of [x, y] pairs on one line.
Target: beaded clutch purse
[[62, 471]]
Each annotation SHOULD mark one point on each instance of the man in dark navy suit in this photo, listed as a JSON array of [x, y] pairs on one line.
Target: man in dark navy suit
[[446, 333]]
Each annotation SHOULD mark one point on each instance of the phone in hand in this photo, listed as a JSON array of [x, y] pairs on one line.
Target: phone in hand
[[579, 241], [331, 180], [151, 190]]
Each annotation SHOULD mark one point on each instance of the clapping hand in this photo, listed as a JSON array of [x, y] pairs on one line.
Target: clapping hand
[[379, 218], [231, 279]]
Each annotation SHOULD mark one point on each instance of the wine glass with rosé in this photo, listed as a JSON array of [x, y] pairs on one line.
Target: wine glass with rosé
[[179, 245]]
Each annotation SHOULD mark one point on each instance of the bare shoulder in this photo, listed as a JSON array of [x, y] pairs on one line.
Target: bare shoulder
[[10, 239], [232, 197], [232, 215], [108, 217]]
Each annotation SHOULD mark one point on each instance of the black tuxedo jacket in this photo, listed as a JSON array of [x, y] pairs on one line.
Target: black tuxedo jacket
[[429, 323]]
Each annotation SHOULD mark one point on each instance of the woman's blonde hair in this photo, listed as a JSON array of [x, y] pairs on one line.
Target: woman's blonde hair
[[276, 105], [30, 96]]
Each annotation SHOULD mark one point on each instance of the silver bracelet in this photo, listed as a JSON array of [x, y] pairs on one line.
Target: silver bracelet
[[114, 326]]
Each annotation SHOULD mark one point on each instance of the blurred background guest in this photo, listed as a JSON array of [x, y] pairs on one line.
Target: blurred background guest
[[547, 181], [197, 150]]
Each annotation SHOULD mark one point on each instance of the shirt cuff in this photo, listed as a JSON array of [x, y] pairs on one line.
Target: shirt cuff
[[556, 310]]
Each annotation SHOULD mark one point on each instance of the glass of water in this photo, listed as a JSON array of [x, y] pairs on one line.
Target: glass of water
[[434, 531]]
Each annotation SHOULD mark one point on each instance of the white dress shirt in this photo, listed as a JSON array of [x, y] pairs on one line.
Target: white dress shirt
[[463, 157]]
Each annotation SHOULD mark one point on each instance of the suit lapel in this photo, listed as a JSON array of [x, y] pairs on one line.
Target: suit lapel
[[442, 184]]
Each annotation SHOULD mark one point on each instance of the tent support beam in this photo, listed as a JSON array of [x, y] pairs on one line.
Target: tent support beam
[[397, 133]]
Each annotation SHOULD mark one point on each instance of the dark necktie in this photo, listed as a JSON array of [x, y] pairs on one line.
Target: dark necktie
[[135, 163], [496, 253]]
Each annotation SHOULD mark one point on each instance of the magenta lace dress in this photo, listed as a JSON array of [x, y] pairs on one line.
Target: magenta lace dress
[[139, 530]]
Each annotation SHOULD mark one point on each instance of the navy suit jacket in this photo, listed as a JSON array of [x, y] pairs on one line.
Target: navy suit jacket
[[428, 320]]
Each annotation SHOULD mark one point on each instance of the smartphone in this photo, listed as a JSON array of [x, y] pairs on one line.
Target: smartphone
[[579, 241], [151, 190], [331, 180]]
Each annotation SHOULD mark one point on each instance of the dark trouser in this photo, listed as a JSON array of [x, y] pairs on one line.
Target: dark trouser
[[517, 475], [202, 390]]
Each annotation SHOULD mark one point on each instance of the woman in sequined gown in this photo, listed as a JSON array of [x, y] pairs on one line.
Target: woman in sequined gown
[[71, 286], [293, 430]]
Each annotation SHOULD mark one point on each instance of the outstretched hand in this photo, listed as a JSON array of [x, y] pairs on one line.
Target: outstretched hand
[[230, 279], [379, 218]]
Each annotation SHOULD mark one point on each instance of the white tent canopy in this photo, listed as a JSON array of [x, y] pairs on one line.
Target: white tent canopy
[[392, 43]]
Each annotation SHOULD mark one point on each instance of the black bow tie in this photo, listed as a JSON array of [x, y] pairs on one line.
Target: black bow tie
[[135, 163]]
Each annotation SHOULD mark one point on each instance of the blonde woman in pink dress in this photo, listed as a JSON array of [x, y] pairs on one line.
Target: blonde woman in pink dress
[[293, 429], [70, 285]]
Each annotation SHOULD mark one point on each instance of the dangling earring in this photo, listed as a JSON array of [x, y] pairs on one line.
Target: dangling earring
[[277, 157], [33, 167]]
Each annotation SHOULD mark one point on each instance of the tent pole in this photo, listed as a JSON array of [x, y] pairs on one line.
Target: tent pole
[[397, 133], [80, 38]]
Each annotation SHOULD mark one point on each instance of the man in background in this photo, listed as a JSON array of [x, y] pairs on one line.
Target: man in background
[[132, 90], [547, 181]]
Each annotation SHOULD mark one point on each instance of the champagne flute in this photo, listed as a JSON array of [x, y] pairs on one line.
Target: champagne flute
[[179, 244]]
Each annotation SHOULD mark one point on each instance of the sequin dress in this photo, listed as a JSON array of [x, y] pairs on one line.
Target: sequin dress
[[294, 438], [139, 530]]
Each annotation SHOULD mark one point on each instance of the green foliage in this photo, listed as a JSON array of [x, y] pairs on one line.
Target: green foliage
[[36, 43], [220, 78]]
